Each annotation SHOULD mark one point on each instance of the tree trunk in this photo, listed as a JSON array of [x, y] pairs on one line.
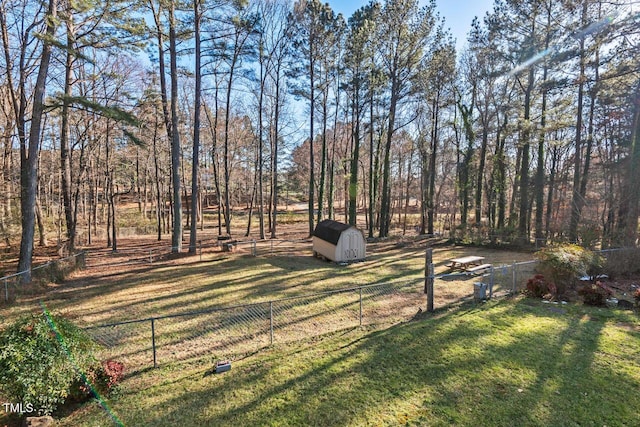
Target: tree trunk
[[630, 207], [464, 171], [29, 155], [539, 181], [481, 164], [323, 158], [312, 108], [196, 132], [577, 200], [274, 168], [65, 161], [431, 208], [260, 157], [355, 158], [176, 236], [385, 206], [372, 173], [523, 219], [407, 193], [552, 184], [156, 167]]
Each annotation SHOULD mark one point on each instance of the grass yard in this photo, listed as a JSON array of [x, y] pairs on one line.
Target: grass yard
[[113, 290], [506, 362], [512, 362]]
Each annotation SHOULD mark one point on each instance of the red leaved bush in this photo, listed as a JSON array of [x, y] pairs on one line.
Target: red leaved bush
[[538, 287], [595, 294], [112, 373]]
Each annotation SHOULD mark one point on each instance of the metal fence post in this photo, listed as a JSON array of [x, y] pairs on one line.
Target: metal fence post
[[150, 256], [200, 244], [514, 276], [254, 250], [360, 306], [491, 281], [271, 321], [6, 290], [153, 342]]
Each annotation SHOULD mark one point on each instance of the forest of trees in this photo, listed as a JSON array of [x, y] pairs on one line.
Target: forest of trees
[[532, 131]]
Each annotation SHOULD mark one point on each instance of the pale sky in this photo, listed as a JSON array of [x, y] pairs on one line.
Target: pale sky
[[458, 14]]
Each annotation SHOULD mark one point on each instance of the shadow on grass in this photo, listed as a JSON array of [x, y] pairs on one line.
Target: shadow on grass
[[393, 264], [256, 281], [501, 364]]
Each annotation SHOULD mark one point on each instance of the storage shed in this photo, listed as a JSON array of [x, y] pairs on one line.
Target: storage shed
[[338, 242]]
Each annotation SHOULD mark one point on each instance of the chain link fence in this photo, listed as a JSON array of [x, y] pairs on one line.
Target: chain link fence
[[499, 280], [55, 271], [621, 261], [154, 253], [268, 247], [283, 247], [511, 278], [224, 333]]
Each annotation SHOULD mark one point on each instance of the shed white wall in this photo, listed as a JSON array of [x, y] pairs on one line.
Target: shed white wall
[[351, 246], [324, 248]]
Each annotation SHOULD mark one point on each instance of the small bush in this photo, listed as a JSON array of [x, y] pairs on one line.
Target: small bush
[[103, 379], [595, 294], [590, 234], [41, 357], [564, 264], [110, 375], [538, 287]]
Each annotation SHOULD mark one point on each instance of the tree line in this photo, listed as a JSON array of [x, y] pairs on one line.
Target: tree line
[[530, 132]]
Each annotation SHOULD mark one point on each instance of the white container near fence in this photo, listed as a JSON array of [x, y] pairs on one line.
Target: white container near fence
[[480, 291]]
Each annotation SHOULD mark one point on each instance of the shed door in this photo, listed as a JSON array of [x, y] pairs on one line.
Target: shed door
[[351, 249]]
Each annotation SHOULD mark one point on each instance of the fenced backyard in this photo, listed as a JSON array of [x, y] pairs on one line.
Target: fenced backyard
[[55, 271], [225, 333], [143, 335], [231, 332], [298, 328]]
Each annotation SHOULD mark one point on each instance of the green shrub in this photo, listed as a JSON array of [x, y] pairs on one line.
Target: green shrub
[[564, 264], [590, 234], [41, 358]]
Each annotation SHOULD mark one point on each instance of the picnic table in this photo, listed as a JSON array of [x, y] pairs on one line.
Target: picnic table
[[470, 264]]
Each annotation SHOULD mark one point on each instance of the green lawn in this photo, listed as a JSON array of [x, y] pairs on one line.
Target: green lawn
[[507, 362], [504, 363], [111, 291]]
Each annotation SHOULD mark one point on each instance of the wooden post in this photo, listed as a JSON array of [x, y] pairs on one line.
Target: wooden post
[[428, 279]]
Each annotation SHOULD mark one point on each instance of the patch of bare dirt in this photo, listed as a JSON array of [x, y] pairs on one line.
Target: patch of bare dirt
[[628, 327], [624, 288]]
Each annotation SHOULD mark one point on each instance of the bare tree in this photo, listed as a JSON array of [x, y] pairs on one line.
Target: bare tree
[[41, 32]]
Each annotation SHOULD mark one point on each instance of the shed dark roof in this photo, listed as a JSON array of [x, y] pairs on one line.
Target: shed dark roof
[[330, 231]]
